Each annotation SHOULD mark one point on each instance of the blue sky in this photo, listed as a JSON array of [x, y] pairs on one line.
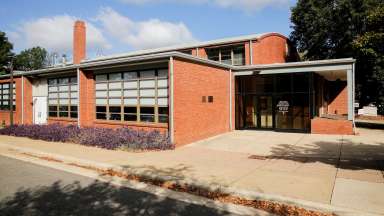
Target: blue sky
[[115, 26]]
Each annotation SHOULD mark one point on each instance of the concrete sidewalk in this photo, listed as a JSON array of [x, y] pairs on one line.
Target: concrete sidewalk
[[326, 178]]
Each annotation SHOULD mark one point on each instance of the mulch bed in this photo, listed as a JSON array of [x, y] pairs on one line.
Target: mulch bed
[[269, 206]]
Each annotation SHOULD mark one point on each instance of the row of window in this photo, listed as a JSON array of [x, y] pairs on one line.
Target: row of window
[[62, 97], [227, 55], [5, 96], [136, 96]]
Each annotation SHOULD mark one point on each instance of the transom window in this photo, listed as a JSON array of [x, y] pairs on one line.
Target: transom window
[[133, 96], [62, 97], [5, 96], [227, 55]]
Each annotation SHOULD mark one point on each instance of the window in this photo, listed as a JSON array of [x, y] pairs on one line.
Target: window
[[5, 96], [189, 52], [227, 55], [135, 96], [62, 97]]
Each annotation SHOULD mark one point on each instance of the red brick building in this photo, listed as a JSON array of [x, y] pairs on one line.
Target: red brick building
[[190, 91]]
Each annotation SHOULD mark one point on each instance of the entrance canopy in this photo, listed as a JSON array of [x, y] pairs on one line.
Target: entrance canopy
[[335, 70]]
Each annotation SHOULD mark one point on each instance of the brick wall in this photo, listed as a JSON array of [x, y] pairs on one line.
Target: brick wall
[[193, 119], [331, 126], [338, 103], [269, 49]]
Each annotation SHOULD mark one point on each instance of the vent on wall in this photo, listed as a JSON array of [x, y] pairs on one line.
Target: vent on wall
[[210, 99]]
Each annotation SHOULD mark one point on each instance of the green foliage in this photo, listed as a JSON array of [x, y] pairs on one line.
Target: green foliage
[[5, 52], [31, 59], [324, 29]]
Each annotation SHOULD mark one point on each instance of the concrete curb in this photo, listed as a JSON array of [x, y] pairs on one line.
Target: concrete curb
[[225, 189]]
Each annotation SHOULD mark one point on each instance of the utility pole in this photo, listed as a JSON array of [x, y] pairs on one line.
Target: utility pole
[[11, 94]]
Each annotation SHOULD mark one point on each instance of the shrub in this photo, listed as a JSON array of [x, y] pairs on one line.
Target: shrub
[[124, 138]]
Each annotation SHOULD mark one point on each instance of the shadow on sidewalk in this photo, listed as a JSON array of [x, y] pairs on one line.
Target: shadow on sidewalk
[[95, 199], [353, 156]]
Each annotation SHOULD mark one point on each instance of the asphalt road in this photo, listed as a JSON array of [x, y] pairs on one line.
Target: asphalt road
[[28, 189]]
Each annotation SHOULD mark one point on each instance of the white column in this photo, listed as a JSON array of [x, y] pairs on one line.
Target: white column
[[171, 108], [351, 100]]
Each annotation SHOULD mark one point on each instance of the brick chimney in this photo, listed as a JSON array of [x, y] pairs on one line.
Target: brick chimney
[[79, 42]]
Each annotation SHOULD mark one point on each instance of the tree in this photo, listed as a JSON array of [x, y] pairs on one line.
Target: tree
[[31, 59], [5, 52], [324, 29]]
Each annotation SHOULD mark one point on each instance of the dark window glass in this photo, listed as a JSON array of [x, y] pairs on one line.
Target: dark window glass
[[239, 56], [101, 116], [52, 114], [226, 56], [73, 108], [147, 118], [189, 52], [63, 114], [52, 108], [130, 109], [163, 110], [52, 81], [63, 81], [113, 116], [213, 54], [147, 110], [283, 83], [129, 117], [300, 82], [73, 80], [101, 109], [73, 114], [210, 99], [63, 108], [163, 118], [114, 109]]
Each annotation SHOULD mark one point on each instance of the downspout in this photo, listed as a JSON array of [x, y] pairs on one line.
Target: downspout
[[171, 104], [78, 97], [197, 51], [22, 99], [230, 99], [250, 52]]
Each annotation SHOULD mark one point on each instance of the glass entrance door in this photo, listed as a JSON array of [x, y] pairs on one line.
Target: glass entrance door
[[258, 112]]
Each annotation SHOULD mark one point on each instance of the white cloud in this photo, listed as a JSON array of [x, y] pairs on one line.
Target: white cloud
[[143, 34], [55, 34], [246, 5]]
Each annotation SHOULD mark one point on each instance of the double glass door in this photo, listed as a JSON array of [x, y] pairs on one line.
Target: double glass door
[[258, 112]]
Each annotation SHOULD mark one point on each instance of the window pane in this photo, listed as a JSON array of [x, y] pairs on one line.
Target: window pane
[[52, 81], [130, 101], [147, 92], [63, 108], [101, 116], [130, 85], [162, 83], [73, 114], [64, 101], [64, 88], [213, 54], [115, 101], [163, 118], [102, 77], [73, 108], [52, 108], [115, 85], [239, 56], [73, 87], [147, 84], [147, 118], [74, 101], [73, 94], [115, 93], [113, 116], [162, 92], [162, 73], [130, 117], [114, 109], [101, 86], [163, 110], [115, 76], [52, 114], [52, 101], [226, 57], [73, 80], [162, 101], [147, 74], [101, 109], [130, 93], [147, 110], [63, 114], [53, 89], [130, 109], [130, 75], [101, 101], [64, 95], [101, 94], [147, 101], [63, 81]]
